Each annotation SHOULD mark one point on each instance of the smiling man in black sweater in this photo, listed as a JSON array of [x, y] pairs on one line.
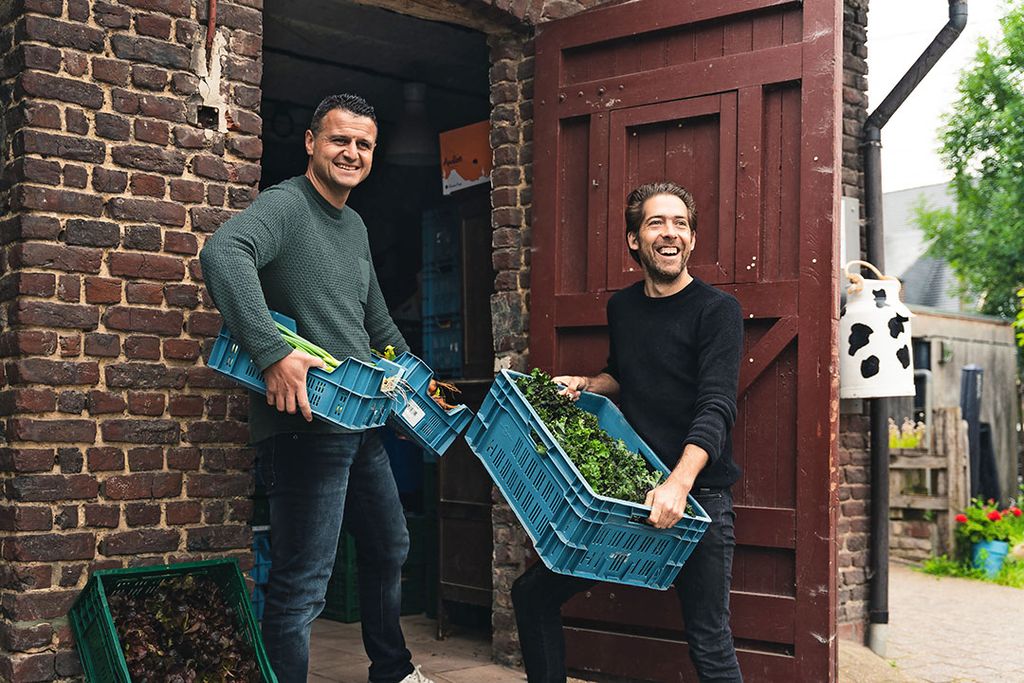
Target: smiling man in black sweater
[[673, 363]]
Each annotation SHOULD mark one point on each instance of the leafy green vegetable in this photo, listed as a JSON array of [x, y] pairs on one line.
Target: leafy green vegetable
[[303, 344], [609, 467]]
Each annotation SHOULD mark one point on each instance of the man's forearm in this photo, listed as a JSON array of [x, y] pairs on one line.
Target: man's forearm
[[603, 384], [690, 464]]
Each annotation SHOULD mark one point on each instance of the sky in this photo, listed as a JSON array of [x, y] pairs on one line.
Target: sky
[[898, 32]]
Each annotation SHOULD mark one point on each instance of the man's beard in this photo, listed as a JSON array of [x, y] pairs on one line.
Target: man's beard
[[660, 275]]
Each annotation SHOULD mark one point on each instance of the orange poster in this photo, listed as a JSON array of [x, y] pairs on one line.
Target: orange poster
[[465, 157]]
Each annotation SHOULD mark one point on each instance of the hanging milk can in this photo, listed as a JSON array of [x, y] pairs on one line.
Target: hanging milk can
[[875, 358]]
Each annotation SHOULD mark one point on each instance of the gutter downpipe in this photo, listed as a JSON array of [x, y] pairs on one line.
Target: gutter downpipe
[[878, 599]]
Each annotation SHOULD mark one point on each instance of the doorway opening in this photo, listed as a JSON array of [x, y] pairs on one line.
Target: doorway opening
[[431, 253]]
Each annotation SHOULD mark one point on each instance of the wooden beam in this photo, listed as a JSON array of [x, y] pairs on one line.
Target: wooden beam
[[918, 462], [938, 503]]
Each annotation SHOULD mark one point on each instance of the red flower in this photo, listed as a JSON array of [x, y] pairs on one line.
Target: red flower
[[995, 516], [1016, 511], [961, 519]]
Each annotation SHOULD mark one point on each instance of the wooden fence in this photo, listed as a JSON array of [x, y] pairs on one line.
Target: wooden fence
[[928, 487]]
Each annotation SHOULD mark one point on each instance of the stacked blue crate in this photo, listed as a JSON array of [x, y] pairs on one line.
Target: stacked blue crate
[[442, 292], [260, 571]]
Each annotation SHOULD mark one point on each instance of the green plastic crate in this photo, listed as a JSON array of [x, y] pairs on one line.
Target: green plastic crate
[[99, 648], [343, 588]]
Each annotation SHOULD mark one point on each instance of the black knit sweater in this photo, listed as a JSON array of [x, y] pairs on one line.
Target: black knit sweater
[[676, 359]]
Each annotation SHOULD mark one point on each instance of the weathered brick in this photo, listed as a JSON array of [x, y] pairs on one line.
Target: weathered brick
[[204, 378], [245, 146], [140, 403], [102, 402], [70, 345], [50, 487], [75, 63], [145, 185], [141, 541], [25, 518], [186, 191], [192, 138], [113, 71], [180, 513], [31, 342], [183, 296], [184, 458], [147, 158], [184, 83], [147, 211], [74, 148], [216, 408], [70, 575], [149, 77], [202, 323], [167, 108], [184, 405], [92, 233], [124, 101], [104, 516], [153, 25], [143, 237], [22, 638], [111, 15], [145, 376], [66, 517], [60, 33], [247, 71], [30, 284], [40, 114], [208, 220], [247, 174], [40, 57], [221, 537], [143, 485], [112, 127], [56, 256], [101, 290], [72, 402], [52, 372], [37, 605], [46, 314], [244, 122], [246, 96], [106, 180], [207, 166], [75, 176], [142, 514], [139, 347], [104, 459], [141, 431], [70, 460], [219, 431], [35, 171], [144, 293], [102, 345], [39, 84], [29, 197], [203, 485], [26, 459], [146, 458], [150, 266], [149, 50], [181, 243], [178, 8], [215, 193], [22, 400], [143, 320]]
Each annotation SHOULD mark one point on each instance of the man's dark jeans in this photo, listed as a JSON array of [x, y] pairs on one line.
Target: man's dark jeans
[[702, 588], [311, 480]]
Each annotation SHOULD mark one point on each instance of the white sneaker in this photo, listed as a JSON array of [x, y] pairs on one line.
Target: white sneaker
[[416, 677]]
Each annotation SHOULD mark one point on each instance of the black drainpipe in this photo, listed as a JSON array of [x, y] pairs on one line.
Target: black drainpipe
[[878, 599]]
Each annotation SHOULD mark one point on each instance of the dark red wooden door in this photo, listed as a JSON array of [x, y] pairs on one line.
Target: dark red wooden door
[[740, 102]]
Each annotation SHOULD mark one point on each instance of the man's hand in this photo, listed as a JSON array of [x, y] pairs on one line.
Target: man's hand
[[286, 382], [573, 385], [668, 503]]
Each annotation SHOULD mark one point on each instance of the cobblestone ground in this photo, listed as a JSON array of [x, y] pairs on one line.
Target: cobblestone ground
[[944, 629]]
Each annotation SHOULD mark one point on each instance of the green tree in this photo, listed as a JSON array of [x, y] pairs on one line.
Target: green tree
[[983, 145]]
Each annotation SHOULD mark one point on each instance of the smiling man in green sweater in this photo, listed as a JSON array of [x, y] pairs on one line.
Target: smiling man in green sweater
[[300, 250]]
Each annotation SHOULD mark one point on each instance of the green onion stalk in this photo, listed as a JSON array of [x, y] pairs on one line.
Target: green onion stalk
[[297, 342]]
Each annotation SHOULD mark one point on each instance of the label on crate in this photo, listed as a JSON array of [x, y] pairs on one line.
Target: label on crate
[[412, 414]]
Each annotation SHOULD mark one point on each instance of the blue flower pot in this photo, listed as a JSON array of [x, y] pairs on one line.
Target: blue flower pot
[[989, 556]]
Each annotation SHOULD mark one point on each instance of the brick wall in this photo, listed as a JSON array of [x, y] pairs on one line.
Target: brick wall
[[121, 447], [853, 536]]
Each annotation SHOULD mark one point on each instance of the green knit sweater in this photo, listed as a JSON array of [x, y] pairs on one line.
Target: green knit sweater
[[292, 252]]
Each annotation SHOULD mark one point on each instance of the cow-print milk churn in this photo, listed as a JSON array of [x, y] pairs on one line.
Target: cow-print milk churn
[[875, 354]]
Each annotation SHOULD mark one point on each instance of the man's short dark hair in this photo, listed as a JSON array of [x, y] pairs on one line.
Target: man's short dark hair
[[353, 104], [635, 206]]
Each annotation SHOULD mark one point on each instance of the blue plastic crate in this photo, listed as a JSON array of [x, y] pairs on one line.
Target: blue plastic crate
[[418, 416], [260, 571], [350, 396], [574, 530], [442, 292], [442, 345], [441, 237]]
